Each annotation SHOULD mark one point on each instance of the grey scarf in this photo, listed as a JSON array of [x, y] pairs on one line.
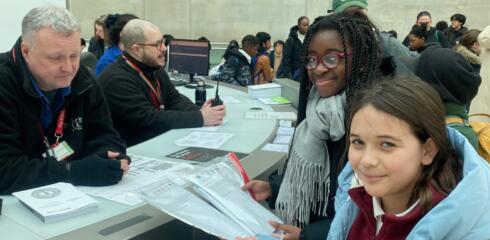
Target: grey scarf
[[306, 183]]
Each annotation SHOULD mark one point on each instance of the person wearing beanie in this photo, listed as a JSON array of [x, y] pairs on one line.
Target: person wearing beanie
[[339, 6], [481, 103], [456, 81], [397, 58]]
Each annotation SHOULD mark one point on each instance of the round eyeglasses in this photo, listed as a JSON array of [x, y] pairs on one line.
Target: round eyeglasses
[[330, 60]]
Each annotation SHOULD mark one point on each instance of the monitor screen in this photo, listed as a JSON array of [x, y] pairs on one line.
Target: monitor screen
[[189, 56]]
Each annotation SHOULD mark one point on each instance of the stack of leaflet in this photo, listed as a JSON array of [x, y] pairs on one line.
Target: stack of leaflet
[[284, 136], [227, 210], [268, 90], [56, 202]]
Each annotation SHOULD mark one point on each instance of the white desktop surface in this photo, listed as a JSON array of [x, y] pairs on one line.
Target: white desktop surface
[[250, 134], [13, 230]]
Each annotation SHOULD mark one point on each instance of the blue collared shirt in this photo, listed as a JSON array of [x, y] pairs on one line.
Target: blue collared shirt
[[49, 110]]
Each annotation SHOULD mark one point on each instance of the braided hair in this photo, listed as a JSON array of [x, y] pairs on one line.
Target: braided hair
[[355, 30]]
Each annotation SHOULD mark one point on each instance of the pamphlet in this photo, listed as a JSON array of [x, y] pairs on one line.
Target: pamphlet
[[201, 155], [56, 202], [226, 211]]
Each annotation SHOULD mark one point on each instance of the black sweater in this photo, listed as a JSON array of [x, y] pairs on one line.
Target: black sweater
[[133, 113], [87, 129]]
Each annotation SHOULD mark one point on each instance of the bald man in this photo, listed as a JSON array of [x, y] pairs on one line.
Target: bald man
[[143, 101]]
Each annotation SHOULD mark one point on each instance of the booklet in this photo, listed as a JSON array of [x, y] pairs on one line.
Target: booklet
[[274, 100], [201, 155], [56, 202], [226, 211]]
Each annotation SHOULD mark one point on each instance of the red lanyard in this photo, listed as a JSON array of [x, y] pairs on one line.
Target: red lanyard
[[154, 93], [58, 132]]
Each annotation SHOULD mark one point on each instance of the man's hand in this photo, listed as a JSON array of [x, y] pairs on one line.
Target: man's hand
[[289, 232], [124, 162], [212, 115], [261, 189]]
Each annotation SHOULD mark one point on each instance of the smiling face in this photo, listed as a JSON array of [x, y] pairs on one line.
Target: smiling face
[[52, 58], [386, 155], [328, 82]]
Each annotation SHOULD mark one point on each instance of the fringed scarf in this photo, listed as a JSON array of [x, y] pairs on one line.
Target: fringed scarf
[[306, 183]]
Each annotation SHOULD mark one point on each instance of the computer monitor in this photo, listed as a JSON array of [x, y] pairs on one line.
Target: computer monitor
[[189, 57]]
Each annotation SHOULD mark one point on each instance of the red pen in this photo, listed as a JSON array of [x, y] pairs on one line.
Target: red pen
[[236, 161]]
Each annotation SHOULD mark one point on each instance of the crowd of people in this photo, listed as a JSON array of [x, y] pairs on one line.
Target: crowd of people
[[372, 156]]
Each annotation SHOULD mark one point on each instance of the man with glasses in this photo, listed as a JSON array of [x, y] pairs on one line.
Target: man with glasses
[[143, 101]]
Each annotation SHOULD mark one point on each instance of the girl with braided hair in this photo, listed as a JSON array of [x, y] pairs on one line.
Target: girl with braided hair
[[340, 55]]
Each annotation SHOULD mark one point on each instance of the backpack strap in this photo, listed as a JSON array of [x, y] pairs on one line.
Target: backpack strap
[[453, 120]]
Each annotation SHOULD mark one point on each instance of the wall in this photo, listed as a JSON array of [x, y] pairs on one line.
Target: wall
[[11, 18], [223, 20]]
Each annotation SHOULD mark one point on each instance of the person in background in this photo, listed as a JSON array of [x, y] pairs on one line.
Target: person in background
[[49, 106], [455, 80], [96, 43], [470, 49], [424, 20], [442, 26], [232, 45], [455, 32], [291, 60], [142, 100], [275, 57], [168, 38], [408, 176], [114, 23], [262, 69], [203, 38], [418, 39], [481, 103], [83, 44], [335, 70], [237, 67], [396, 59]]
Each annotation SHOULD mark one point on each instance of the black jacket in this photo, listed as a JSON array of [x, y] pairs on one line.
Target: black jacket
[[87, 128], [319, 225], [291, 58], [455, 36], [133, 113], [236, 69]]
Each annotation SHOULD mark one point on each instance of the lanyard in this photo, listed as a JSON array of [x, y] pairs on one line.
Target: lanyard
[[154, 93], [58, 132]]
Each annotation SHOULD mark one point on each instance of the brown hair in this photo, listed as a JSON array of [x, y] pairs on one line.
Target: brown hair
[[405, 98], [101, 22], [470, 37]]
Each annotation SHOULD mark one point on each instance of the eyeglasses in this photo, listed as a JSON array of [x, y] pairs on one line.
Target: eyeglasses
[[330, 60], [159, 45]]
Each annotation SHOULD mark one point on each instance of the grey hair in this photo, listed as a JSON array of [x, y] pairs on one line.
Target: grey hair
[[57, 18], [134, 32]]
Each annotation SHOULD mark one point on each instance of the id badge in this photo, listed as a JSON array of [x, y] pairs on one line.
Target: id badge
[[62, 151]]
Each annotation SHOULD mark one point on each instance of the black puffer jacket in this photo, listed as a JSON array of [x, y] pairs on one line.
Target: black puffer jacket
[[87, 127], [291, 58]]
